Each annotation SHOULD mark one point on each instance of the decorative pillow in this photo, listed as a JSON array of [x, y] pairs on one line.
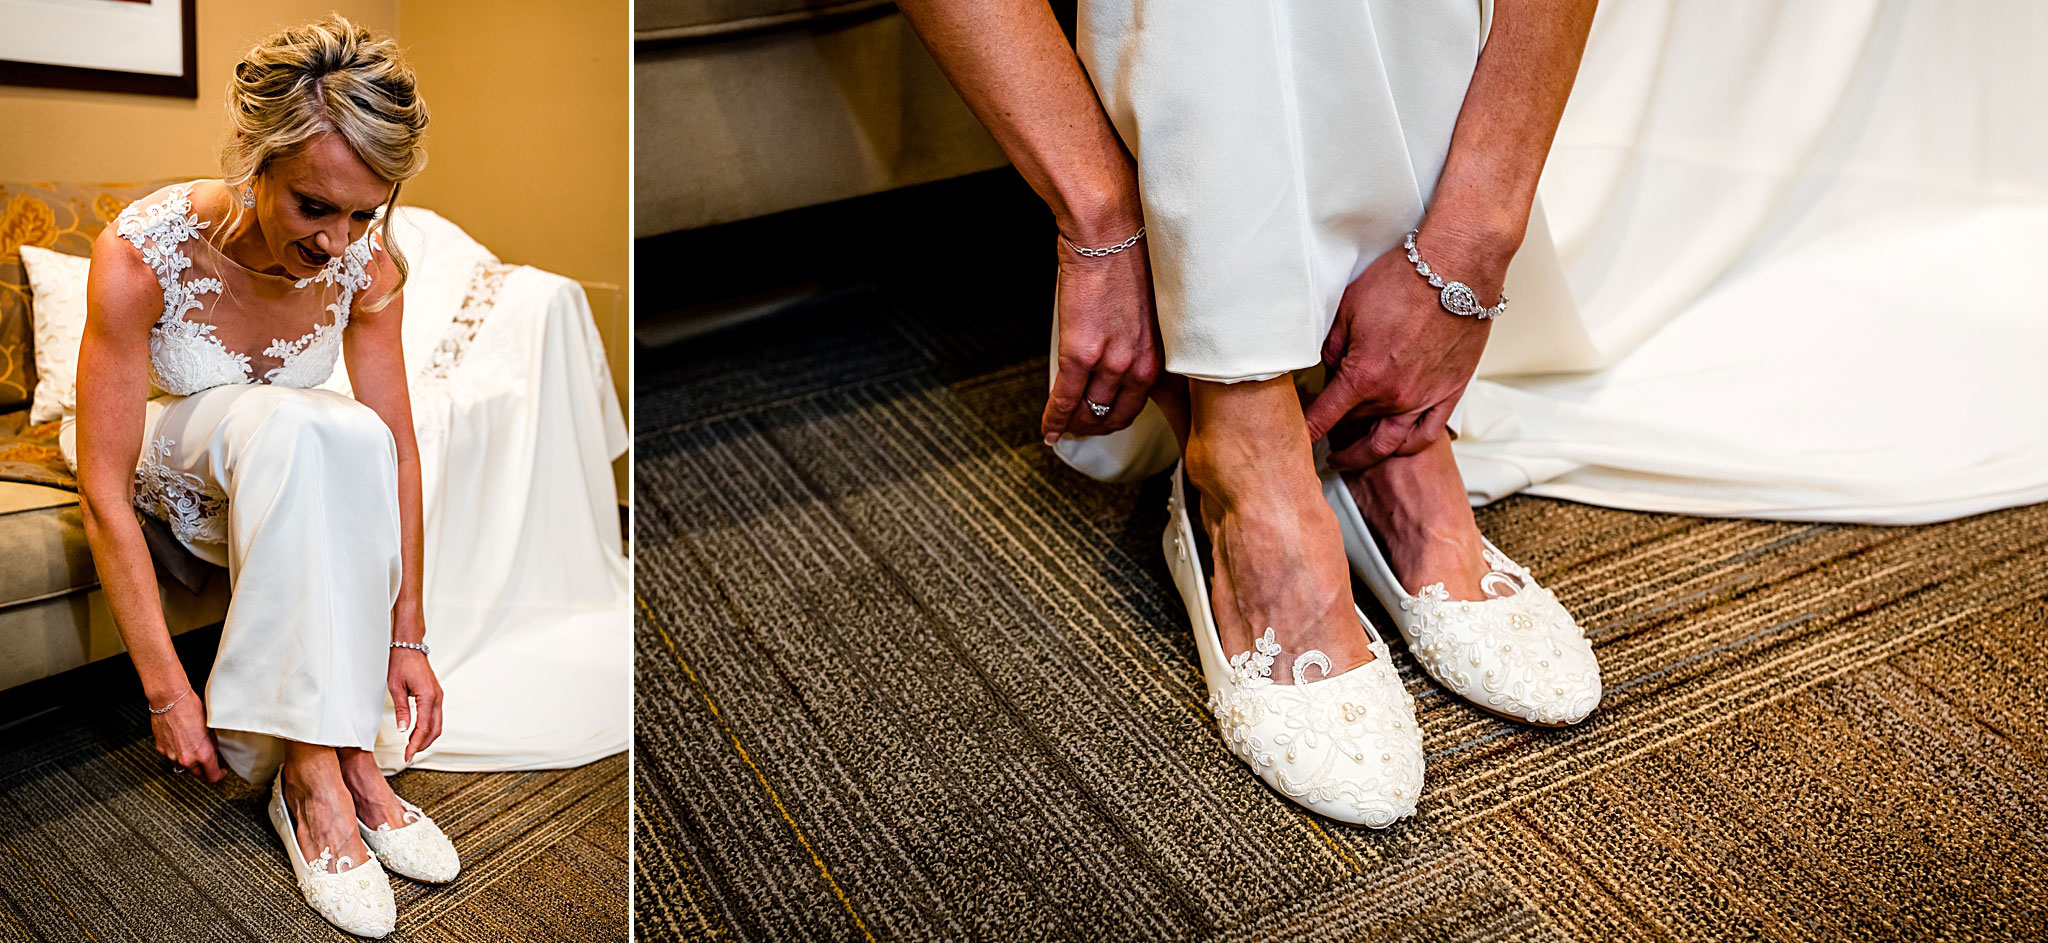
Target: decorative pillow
[[61, 216], [57, 302]]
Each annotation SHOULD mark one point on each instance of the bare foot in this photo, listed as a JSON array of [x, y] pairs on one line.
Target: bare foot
[[376, 804], [1416, 504], [323, 815], [1278, 559]]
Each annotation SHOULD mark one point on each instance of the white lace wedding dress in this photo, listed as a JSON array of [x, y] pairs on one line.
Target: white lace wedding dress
[[293, 489]]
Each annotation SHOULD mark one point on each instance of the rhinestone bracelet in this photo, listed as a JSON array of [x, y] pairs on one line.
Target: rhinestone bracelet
[[1456, 297], [1105, 250], [420, 647]]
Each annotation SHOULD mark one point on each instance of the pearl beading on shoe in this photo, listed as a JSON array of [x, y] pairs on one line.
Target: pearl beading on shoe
[[1519, 654], [355, 899], [417, 849], [1345, 746]]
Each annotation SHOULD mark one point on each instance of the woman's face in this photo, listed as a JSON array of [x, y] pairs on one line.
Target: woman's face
[[312, 204]]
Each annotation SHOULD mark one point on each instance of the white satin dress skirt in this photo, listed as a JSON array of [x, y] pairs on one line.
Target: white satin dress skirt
[[1281, 145], [295, 491]]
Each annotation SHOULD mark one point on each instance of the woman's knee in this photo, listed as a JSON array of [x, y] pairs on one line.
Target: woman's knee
[[326, 419]]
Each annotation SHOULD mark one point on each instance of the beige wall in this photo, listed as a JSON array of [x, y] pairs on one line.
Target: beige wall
[[527, 149], [58, 134]]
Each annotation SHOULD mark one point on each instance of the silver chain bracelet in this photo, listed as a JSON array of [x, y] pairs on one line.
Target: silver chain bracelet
[[420, 647], [1106, 250], [1456, 297], [167, 707]]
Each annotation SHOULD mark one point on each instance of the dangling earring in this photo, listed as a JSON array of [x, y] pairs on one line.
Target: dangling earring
[[248, 197]]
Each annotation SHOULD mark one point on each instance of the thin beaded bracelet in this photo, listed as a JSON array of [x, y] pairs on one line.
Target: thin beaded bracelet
[[167, 707]]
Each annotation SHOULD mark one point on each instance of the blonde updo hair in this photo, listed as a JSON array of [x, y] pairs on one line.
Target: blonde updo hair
[[328, 75]]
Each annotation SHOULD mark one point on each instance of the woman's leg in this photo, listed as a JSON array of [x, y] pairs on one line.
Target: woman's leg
[[1278, 557], [297, 491], [323, 813], [375, 803], [1417, 506]]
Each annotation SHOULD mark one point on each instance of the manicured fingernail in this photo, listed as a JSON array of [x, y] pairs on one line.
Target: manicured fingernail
[[1052, 438]]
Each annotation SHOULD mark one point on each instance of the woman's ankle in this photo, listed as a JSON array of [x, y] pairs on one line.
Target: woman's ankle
[[309, 768], [1248, 440]]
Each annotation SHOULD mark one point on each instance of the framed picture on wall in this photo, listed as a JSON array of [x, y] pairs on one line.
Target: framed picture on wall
[[145, 47]]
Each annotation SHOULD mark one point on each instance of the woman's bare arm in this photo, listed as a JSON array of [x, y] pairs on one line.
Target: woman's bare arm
[[1012, 65], [1504, 130], [1400, 362], [373, 348], [122, 302]]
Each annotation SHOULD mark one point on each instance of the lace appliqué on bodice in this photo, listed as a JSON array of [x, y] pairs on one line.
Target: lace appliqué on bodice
[[185, 356]]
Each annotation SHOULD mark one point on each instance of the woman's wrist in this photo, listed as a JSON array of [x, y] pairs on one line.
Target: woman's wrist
[[408, 625], [162, 675], [1101, 211], [161, 692], [1474, 248]]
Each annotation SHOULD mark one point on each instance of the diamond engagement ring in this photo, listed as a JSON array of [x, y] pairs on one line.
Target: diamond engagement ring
[[1457, 297], [1094, 407]]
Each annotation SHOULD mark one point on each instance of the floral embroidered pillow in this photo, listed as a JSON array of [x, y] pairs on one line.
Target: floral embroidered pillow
[[57, 303]]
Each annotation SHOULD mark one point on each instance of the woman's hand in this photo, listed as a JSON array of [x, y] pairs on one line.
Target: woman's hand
[[1398, 361], [1109, 341], [416, 697], [183, 738]]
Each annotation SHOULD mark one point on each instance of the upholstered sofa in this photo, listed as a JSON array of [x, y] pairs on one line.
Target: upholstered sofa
[[749, 107], [53, 616]]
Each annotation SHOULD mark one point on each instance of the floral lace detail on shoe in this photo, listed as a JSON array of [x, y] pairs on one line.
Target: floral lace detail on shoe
[[1348, 741], [356, 899], [195, 511], [1255, 667], [1519, 654], [416, 849]]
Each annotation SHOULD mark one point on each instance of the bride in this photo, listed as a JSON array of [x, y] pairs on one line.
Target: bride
[[1293, 184], [214, 308]]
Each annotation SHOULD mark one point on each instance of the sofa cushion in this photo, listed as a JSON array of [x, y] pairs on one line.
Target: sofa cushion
[[44, 533], [677, 19], [30, 453], [66, 217]]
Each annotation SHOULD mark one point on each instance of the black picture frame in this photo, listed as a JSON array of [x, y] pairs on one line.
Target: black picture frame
[[183, 85]]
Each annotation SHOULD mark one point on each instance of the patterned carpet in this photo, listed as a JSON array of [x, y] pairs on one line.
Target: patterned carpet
[[99, 841], [903, 676]]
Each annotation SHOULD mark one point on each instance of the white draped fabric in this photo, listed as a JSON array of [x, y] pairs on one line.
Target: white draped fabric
[[1796, 245], [528, 592]]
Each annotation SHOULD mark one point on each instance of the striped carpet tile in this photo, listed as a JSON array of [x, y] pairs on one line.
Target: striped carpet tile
[[904, 676], [99, 841]]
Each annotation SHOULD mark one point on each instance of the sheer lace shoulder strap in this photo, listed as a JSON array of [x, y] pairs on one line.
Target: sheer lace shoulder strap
[[158, 226], [350, 273]]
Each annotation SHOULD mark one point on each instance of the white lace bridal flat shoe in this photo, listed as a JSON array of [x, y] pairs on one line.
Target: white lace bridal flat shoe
[[1345, 746], [1517, 654], [356, 899], [416, 849]]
